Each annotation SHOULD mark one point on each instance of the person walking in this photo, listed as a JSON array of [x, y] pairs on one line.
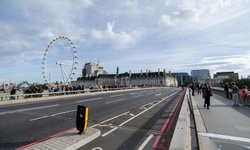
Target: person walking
[[206, 93], [199, 88], [244, 94], [226, 89], [13, 92], [192, 87], [235, 92]]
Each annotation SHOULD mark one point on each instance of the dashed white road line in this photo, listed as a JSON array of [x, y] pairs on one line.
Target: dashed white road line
[[97, 148], [117, 95], [47, 116], [65, 112], [34, 108], [158, 94], [150, 93], [110, 119], [110, 131], [89, 100], [137, 96], [39, 118], [115, 117], [116, 101]]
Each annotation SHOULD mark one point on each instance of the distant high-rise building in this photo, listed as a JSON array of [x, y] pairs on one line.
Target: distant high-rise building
[[183, 78], [200, 75]]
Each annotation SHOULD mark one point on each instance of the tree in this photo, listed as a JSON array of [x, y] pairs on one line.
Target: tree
[[228, 80], [240, 83]]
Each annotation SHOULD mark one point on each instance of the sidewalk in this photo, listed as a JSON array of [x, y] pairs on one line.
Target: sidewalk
[[67, 140], [223, 126]]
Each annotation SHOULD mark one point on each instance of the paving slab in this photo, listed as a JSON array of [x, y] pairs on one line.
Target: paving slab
[[68, 140], [227, 126]]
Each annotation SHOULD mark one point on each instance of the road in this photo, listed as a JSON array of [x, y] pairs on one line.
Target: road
[[127, 119]]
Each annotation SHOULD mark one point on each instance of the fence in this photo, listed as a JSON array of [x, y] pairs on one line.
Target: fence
[[5, 96], [220, 91]]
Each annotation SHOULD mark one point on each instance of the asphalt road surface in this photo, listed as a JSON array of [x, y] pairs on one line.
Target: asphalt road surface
[[129, 119]]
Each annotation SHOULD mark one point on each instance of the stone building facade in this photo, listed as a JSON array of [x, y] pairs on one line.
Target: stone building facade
[[128, 80]]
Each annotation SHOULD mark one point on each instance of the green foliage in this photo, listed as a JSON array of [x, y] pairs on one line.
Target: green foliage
[[240, 83]]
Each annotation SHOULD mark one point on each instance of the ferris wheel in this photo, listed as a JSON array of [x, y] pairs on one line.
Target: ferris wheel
[[59, 61]]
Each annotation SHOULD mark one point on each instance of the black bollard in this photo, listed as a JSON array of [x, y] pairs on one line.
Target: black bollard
[[82, 117]]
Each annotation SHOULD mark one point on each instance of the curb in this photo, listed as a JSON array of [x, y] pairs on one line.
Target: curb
[[204, 142], [181, 139]]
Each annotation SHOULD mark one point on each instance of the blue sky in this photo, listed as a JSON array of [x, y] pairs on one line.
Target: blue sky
[[176, 35]]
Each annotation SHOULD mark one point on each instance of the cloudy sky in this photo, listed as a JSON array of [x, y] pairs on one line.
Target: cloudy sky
[[176, 35]]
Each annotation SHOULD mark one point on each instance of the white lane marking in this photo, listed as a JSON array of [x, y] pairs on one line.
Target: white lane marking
[[131, 114], [110, 131], [115, 117], [116, 95], [39, 118], [43, 117], [110, 119], [136, 93], [158, 94], [97, 148], [89, 100], [226, 137], [22, 110], [116, 101], [146, 142], [65, 112], [150, 93], [105, 134], [137, 96]]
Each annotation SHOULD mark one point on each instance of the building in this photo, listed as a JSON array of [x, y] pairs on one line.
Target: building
[[202, 75], [128, 79], [223, 75], [220, 76], [183, 78], [92, 69]]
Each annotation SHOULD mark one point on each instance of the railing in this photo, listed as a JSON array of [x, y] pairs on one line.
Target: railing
[[52, 94], [230, 91]]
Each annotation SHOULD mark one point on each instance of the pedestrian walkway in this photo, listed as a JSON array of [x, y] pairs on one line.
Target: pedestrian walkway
[[223, 126], [67, 140]]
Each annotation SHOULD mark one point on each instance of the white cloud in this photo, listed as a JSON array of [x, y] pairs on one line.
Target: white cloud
[[120, 40], [166, 20], [173, 35]]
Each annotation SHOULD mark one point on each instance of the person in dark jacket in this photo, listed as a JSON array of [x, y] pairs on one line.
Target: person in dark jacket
[[206, 93], [226, 89], [13, 92], [192, 87]]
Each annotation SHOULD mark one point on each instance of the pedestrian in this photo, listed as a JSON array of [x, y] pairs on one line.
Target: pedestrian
[[206, 93], [235, 92], [199, 88], [244, 94], [13, 92], [226, 89], [192, 87]]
